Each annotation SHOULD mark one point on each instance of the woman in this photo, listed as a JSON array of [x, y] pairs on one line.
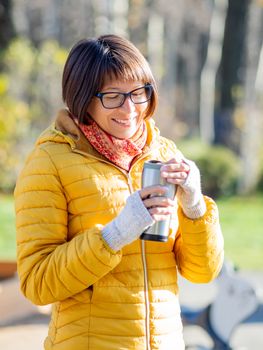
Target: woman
[[81, 210]]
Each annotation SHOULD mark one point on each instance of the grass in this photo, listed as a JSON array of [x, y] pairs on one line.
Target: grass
[[242, 225], [7, 228], [241, 220]]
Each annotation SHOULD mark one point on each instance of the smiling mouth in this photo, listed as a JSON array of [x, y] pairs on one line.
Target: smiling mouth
[[124, 122]]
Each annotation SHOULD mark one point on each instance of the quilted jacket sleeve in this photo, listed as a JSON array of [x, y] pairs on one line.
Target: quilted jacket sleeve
[[50, 267], [199, 246]]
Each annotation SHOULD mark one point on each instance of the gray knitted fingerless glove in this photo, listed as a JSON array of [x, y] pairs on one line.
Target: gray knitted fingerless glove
[[133, 219], [189, 194]]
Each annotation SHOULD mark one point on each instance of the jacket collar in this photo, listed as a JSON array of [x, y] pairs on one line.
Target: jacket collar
[[65, 130]]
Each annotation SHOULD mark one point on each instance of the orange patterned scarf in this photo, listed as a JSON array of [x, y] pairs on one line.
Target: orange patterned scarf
[[119, 151]]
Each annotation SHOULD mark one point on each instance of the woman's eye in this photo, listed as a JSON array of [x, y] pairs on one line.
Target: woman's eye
[[139, 93], [111, 96]]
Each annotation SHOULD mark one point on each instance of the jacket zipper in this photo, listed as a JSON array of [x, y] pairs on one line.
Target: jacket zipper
[[146, 292], [146, 288], [145, 273]]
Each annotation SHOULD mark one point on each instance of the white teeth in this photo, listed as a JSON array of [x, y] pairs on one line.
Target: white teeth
[[124, 122]]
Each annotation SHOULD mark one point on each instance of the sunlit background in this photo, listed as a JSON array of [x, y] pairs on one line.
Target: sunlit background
[[207, 57]]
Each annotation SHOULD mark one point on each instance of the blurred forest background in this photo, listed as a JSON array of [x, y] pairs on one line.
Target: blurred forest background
[[206, 55]]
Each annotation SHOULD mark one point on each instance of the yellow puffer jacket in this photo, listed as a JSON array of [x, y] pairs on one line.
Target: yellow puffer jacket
[[103, 300]]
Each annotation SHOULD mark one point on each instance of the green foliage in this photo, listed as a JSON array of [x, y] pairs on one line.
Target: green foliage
[[14, 109], [218, 165], [14, 124], [29, 91], [46, 86]]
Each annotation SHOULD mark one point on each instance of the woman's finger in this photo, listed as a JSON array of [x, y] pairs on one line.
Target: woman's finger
[[158, 201], [160, 213], [175, 181], [156, 190], [175, 167], [175, 175]]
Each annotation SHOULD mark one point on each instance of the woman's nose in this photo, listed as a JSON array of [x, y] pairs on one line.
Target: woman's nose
[[128, 105]]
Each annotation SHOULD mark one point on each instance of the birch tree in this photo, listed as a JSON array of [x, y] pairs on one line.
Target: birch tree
[[173, 20], [251, 133], [138, 17], [208, 75], [155, 43], [110, 16], [196, 26]]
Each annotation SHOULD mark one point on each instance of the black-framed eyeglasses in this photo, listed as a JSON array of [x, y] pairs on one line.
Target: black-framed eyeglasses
[[112, 99]]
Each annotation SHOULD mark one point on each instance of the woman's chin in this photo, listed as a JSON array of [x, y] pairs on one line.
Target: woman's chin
[[124, 134]]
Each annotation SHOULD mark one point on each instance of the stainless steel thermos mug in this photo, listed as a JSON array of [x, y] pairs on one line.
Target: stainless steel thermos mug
[[151, 175]]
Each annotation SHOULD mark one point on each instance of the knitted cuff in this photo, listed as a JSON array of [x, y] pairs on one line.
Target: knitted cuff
[[112, 236], [189, 194], [197, 210], [133, 219]]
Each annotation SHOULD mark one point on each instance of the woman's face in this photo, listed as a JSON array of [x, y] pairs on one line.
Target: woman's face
[[121, 122]]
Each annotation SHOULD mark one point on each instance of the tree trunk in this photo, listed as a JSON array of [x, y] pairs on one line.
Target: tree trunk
[[208, 75], [173, 21], [191, 80], [230, 80], [7, 31], [251, 134], [138, 23], [119, 14], [155, 42]]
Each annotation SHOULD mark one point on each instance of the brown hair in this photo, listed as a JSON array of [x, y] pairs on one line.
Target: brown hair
[[91, 60]]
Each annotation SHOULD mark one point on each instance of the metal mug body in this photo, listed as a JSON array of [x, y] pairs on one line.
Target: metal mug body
[[151, 175]]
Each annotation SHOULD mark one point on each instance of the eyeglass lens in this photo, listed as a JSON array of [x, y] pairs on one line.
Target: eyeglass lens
[[116, 99]]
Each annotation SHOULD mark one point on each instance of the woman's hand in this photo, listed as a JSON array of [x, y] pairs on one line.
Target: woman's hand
[[175, 171], [158, 205], [186, 175], [142, 209]]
